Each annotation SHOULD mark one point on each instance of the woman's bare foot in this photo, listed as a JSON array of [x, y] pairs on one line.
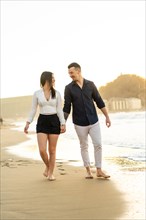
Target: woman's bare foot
[[46, 172], [51, 178]]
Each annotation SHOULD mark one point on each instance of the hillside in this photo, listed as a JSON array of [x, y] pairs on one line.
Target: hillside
[[125, 86], [15, 107]]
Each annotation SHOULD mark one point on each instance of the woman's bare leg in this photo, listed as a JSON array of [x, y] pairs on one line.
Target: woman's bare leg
[[42, 143], [52, 152]]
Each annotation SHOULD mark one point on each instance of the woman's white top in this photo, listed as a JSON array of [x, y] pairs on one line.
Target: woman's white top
[[46, 107]]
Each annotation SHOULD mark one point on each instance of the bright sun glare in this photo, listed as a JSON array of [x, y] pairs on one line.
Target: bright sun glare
[[105, 38]]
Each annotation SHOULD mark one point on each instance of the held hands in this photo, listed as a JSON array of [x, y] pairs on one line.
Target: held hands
[[62, 128], [26, 128]]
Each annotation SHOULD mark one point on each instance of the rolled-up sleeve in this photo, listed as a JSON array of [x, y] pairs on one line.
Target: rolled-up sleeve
[[97, 98], [67, 100]]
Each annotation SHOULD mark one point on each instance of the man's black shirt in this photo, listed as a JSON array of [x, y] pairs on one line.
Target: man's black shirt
[[82, 101]]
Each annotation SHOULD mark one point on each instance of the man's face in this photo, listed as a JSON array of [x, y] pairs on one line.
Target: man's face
[[74, 73]]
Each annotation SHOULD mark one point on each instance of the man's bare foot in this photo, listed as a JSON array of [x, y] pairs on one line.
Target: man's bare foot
[[88, 176], [101, 174], [88, 173]]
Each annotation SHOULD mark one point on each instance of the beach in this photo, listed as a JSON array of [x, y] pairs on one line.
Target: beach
[[27, 194]]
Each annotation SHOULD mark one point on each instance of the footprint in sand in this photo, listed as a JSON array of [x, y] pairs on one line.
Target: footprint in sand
[[7, 164], [61, 170], [14, 163], [62, 173], [59, 165]]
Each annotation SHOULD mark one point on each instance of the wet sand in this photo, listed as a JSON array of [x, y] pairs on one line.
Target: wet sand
[[26, 194]]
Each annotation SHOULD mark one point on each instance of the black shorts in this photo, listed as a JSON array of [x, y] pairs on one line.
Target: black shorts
[[48, 124]]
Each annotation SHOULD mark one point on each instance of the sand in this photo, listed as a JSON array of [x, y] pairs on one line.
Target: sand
[[26, 194]]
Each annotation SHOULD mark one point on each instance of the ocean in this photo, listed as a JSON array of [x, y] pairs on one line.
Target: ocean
[[125, 138]]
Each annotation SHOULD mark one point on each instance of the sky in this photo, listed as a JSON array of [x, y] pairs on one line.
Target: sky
[[107, 38]]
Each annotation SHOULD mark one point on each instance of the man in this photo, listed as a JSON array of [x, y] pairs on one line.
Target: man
[[81, 95]]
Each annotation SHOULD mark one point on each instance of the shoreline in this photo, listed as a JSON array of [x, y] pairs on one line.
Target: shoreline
[[9, 134], [26, 194]]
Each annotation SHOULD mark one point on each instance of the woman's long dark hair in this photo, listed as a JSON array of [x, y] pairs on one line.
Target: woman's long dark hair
[[47, 76]]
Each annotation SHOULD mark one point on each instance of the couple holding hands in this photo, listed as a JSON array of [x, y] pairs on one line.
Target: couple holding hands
[[80, 95]]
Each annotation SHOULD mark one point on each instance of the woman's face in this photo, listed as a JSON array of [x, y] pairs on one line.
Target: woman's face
[[53, 80]]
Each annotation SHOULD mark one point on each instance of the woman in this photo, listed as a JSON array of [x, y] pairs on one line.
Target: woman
[[50, 122]]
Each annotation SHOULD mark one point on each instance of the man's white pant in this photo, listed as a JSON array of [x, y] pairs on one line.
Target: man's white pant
[[95, 134]]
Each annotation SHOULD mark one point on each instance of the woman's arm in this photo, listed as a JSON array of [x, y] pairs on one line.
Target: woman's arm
[[60, 113], [32, 112]]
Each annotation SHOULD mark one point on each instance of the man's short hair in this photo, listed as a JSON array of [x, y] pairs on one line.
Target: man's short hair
[[76, 65]]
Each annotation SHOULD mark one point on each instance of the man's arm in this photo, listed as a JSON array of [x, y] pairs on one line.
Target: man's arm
[[104, 111], [97, 97], [66, 115], [67, 103]]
